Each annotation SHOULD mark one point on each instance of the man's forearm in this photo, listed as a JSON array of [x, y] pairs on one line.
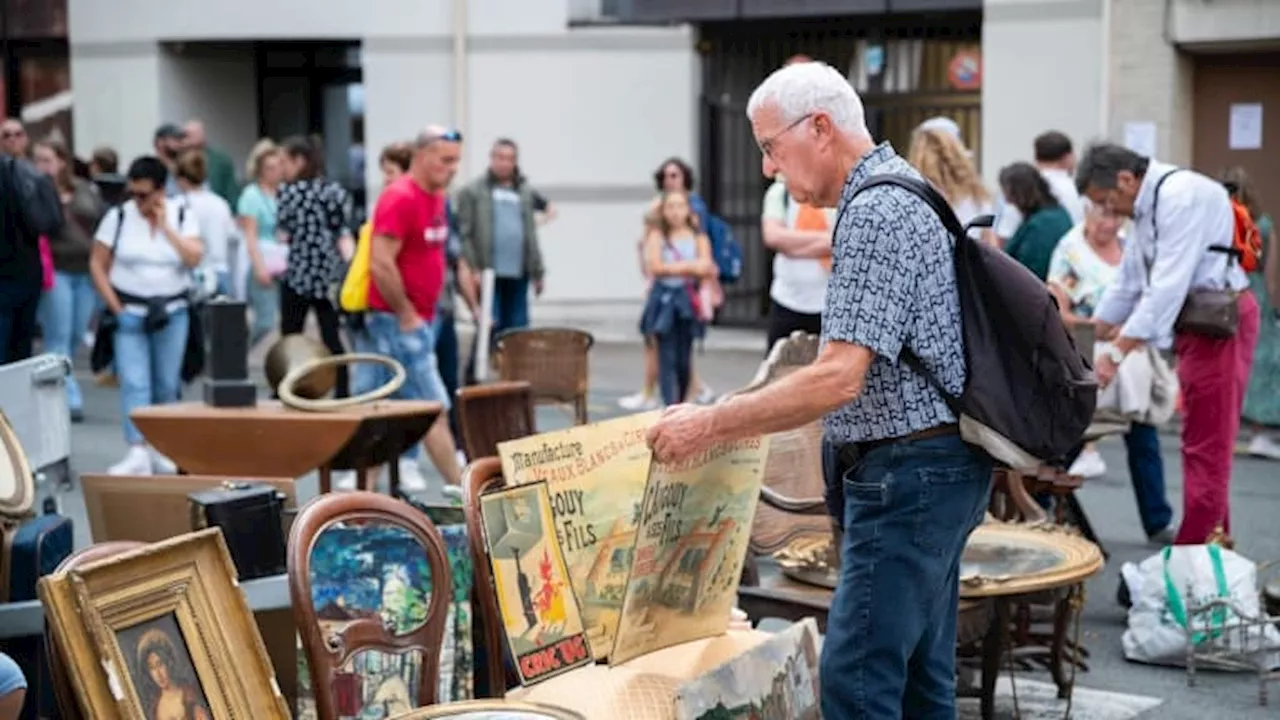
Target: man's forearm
[[391, 288], [800, 398], [798, 243]]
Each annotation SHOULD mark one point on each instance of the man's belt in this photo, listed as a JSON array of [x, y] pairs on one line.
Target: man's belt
[[849, 453]]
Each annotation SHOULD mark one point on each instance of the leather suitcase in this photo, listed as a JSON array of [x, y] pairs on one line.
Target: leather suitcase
[[30, 547], [251, 517]]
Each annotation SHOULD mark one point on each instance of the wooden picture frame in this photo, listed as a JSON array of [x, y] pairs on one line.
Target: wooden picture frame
[[164, 626]]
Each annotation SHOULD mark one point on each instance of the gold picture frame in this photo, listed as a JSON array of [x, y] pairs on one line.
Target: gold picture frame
[[163, 628]]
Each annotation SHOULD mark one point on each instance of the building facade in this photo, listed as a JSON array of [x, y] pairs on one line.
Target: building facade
[[598, 92]]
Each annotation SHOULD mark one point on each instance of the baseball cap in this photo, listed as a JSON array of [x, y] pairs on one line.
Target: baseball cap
[[169, 131]]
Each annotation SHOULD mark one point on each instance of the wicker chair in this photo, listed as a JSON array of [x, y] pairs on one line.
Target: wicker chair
[[494, 413], [553, 361], [63, 691]]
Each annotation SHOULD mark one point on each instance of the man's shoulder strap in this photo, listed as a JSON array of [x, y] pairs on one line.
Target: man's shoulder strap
[[925, 192], [1155, 196]]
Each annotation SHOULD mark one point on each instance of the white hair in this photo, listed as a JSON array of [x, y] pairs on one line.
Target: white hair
[[811, 87]]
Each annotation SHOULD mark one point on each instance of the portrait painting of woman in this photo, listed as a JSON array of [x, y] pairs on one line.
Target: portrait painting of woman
[[163, 674]]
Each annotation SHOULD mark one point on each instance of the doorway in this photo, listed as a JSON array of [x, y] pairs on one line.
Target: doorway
[[316, 88]]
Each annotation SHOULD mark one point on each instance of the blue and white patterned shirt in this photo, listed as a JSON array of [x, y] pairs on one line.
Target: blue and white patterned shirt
[[893, 286]]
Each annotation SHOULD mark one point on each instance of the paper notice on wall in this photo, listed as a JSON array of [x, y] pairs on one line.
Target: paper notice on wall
[[1140, 137], [1245, 127]]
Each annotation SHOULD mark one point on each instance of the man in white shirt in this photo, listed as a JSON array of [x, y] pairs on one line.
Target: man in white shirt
[[1183, 228], [1056, 160], [801, 237]]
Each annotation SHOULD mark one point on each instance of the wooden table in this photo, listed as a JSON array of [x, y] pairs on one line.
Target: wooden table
[[271, 440]]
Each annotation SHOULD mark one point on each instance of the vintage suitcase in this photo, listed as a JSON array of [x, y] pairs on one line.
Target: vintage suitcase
[[30, 547], [251, 517]]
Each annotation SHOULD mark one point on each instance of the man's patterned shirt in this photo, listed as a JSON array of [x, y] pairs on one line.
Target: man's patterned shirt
[[893, 286]]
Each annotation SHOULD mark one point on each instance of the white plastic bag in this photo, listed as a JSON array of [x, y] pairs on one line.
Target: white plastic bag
[[1166, 585]]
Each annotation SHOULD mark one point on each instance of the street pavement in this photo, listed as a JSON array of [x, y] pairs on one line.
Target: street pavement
[[616, 371]]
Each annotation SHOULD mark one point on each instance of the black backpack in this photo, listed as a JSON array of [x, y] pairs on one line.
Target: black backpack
[[33, 196], [1029, 394]]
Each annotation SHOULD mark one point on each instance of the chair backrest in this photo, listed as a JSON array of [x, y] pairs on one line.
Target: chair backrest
[[552, 360], [794, 467], [481, 476], [370, 582], [493, 413], [63, 691]]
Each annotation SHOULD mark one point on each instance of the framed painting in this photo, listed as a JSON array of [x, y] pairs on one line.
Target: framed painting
[[540, 615], [162, 632]]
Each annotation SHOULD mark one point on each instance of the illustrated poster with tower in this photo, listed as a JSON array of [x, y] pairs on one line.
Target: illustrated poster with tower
[[595, 476], [691, 542], [540, 614]]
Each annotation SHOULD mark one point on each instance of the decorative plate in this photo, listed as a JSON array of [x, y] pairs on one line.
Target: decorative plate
[[1010, 559]]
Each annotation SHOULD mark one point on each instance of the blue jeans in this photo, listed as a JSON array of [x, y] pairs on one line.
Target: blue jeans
[[264, 302], [64, 315], [510, 304], [675, 361], [1146, 472], [11, 677], [891, 633], [149, 365]]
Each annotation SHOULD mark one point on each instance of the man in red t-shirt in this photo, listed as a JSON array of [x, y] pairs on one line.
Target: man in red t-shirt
[[407, 265]]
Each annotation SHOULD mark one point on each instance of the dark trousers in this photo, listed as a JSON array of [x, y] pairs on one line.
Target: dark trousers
[[510, 312], [293, 318], [19, 301], [675, 361], [447, 361], [783, 321], [1146, 472], [908, 509]]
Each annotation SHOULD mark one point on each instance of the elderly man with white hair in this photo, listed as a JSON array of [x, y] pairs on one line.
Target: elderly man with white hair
[[906, 490]]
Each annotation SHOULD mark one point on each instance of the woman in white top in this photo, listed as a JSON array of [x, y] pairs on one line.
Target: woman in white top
[[213, 215], [143, 253], [943, 161]]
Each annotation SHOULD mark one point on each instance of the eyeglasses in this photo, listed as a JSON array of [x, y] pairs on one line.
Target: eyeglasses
[[140, 195], [446, 135], [11, 134], [766, 146]]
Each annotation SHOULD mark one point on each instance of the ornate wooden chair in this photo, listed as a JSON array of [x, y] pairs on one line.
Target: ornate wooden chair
[[63, 691], [553, 360], [479, 477], [493, 413], [370, 582]]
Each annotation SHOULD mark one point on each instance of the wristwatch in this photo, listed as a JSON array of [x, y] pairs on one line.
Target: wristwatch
[[1116, 354]]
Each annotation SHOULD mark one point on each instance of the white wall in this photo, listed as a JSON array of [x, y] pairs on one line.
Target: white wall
[[1151, 81], [594, 110], [1042, 70]]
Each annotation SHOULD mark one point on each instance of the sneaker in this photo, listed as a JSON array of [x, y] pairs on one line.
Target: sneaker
[[637, 402], [1264, 447], [452, 494], [342, 480], [411, 479], [1161, 538], [1089, 464], [161, 465], [706, 396], [136, 462]]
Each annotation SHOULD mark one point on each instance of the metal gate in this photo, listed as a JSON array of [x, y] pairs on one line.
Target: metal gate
[[909, 83]]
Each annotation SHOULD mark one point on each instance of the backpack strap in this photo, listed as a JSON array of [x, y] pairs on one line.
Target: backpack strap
[[940, 207], [115, 240]]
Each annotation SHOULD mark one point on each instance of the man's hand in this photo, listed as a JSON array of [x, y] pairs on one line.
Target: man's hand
[[538, 287], [1104, 368], [410, 321], [682, 432]]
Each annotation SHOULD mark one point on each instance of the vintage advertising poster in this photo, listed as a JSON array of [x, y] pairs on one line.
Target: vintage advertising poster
[[775, 680], [596, 476], [540, 614], [691, 541]]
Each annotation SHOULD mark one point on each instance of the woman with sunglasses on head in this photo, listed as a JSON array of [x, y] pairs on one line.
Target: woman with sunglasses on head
[[312, 216], [141, 264], [66, 308], [674, 175]]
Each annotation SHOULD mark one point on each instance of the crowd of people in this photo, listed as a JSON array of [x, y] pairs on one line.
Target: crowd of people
[[133, 253]]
